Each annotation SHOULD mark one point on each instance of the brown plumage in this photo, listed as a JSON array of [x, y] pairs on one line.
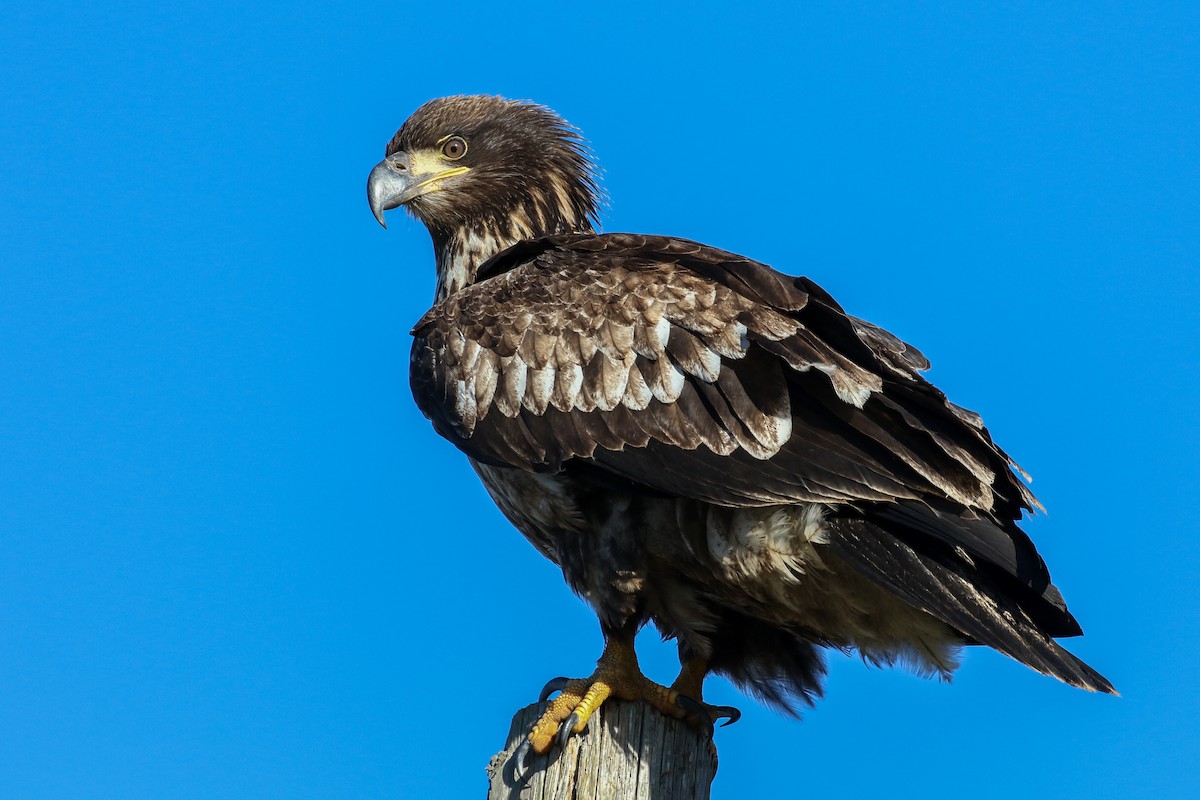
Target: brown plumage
[[698, 440]]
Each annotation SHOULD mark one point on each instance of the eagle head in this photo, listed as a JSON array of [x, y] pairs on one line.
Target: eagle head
[[513, 167]]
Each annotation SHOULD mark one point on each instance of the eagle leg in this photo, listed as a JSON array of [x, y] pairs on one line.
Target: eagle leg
[[690, 688], [618, 675]]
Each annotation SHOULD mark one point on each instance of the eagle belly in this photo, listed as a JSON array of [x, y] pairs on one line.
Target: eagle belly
[[701, 571]]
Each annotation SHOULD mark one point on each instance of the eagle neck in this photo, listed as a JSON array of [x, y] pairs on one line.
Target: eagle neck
[[462, 251]]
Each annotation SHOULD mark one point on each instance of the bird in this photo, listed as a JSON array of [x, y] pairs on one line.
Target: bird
[[701, 442]]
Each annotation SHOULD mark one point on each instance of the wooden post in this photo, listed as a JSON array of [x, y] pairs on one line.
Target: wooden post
[[629, 751]]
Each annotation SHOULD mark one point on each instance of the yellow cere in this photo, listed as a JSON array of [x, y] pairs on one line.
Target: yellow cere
[[429, 162]]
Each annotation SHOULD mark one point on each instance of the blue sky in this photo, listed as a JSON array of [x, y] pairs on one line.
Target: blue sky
[[236, 562]]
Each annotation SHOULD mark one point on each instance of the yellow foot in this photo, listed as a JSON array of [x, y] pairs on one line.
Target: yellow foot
[[690, 688], [617, 675], [701, 715]]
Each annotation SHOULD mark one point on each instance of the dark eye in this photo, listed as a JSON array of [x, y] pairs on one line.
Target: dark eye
[[454, 148]]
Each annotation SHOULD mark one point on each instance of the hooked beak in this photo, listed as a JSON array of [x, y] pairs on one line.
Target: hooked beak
[[398, 179]]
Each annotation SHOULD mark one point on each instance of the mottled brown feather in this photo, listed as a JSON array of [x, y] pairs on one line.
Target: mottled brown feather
[[729, 323]]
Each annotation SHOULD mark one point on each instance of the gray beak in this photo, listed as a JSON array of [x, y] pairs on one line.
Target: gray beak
[[391, 184]]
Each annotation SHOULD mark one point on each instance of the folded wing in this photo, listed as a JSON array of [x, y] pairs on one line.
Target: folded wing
[[690, 371]]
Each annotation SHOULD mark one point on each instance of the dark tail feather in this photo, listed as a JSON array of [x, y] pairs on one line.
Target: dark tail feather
[[779, 668], [960, 596]]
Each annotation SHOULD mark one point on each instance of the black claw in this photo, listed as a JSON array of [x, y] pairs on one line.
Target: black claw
[[555, 685], [697, 714], [568, 727], [727, 713], [517, 770]]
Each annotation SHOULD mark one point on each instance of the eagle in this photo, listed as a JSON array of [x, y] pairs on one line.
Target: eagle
[[699, 441]]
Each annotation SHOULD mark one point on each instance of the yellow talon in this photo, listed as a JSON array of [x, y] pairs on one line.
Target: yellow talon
[[617, 675]]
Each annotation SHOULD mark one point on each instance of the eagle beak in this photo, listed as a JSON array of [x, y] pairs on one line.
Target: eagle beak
[[400, 178], [390, 180]]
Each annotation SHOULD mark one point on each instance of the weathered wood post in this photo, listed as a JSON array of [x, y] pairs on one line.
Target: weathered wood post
[[629, 751]]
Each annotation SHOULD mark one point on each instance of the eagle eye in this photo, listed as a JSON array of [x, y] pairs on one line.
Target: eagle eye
[[454, 148]]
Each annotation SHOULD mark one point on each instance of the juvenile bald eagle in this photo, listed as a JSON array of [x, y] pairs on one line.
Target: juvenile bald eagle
[[699, 441]]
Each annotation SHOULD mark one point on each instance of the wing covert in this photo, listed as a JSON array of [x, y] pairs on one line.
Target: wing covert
[[696, 372]]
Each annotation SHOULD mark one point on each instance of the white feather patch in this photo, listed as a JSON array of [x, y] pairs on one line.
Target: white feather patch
[[464, 406], [455, 342], [470, 356], [776, 558], [538, 389], [708, 365], [662, 330], [511, 392], [637, 393], [731, 341], [569, 382], [662, 377], [486, 378], [847, 388], [779, 539], [614, 376]]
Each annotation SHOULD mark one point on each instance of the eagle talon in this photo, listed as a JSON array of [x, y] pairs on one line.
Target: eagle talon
[[727, 713], [552, 686], [567, 729], [517, 770], [704, 716], [695, 714], [617, 675]]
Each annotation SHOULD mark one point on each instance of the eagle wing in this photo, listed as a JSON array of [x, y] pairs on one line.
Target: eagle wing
[[689, 371], [668, 362]]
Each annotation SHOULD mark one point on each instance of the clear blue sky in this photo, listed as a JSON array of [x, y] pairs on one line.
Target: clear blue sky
[[237, 563]]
